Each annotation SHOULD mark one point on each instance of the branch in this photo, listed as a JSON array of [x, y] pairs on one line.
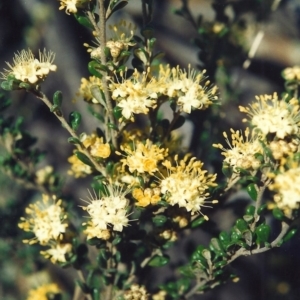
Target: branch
[[65, 125]]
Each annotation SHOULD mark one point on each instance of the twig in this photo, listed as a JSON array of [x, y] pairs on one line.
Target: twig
[[65, 125]]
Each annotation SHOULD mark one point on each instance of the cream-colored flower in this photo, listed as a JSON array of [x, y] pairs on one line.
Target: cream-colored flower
[[106, 213], [46, 219], [136, 292], [292, 73], [186, 184], [43, 292], [271, 115], [135, 95], [57, 253], [286, 185], [120, 38], [71, 6], [43, 175], [189, 88], [241, 154], [143, 158], [29, 69]]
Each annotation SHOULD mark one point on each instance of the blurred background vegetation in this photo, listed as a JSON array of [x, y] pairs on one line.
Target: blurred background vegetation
[[218, 41]]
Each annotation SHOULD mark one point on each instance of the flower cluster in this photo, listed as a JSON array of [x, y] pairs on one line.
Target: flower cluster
[[47, 221], [286, 185], [189, 88], [106, 213], [120, 40], [136, 292], [43, 292], [135, 95], [29, 69], [243, 151], [186, 184], [270, 115], [96, 147], [143, 158]]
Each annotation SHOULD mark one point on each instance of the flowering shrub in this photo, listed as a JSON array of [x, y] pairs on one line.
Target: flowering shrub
[[145, 189]]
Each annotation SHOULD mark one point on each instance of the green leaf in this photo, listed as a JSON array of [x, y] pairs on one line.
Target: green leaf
[[278, 214], [82, 157], [159, 220], [73, 140], [227, 170], [92, 67], [83, 20], [220, 264], [117, 111], [224, 238], [250, 210], [8, 85], [241, 225], [252, 191], [262, 233], [291, 233], [115, 7], [112, 126], [75, 120], [216, 246], [197, 222], [57, 98], [158, 261], [116, 240]]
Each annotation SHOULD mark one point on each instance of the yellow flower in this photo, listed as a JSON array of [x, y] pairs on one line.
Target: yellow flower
[[78, 168], [241, 154], [186, 184], [96, 146], [146, 197], [46, 219], [272, 115], [27, 68], [85, 88], [190, 88], [143, 158], [43, 292], [291, 73]]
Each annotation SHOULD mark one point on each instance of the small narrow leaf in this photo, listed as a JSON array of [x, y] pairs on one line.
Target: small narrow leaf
[[75, 120], [158, 261], [82, 157]]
